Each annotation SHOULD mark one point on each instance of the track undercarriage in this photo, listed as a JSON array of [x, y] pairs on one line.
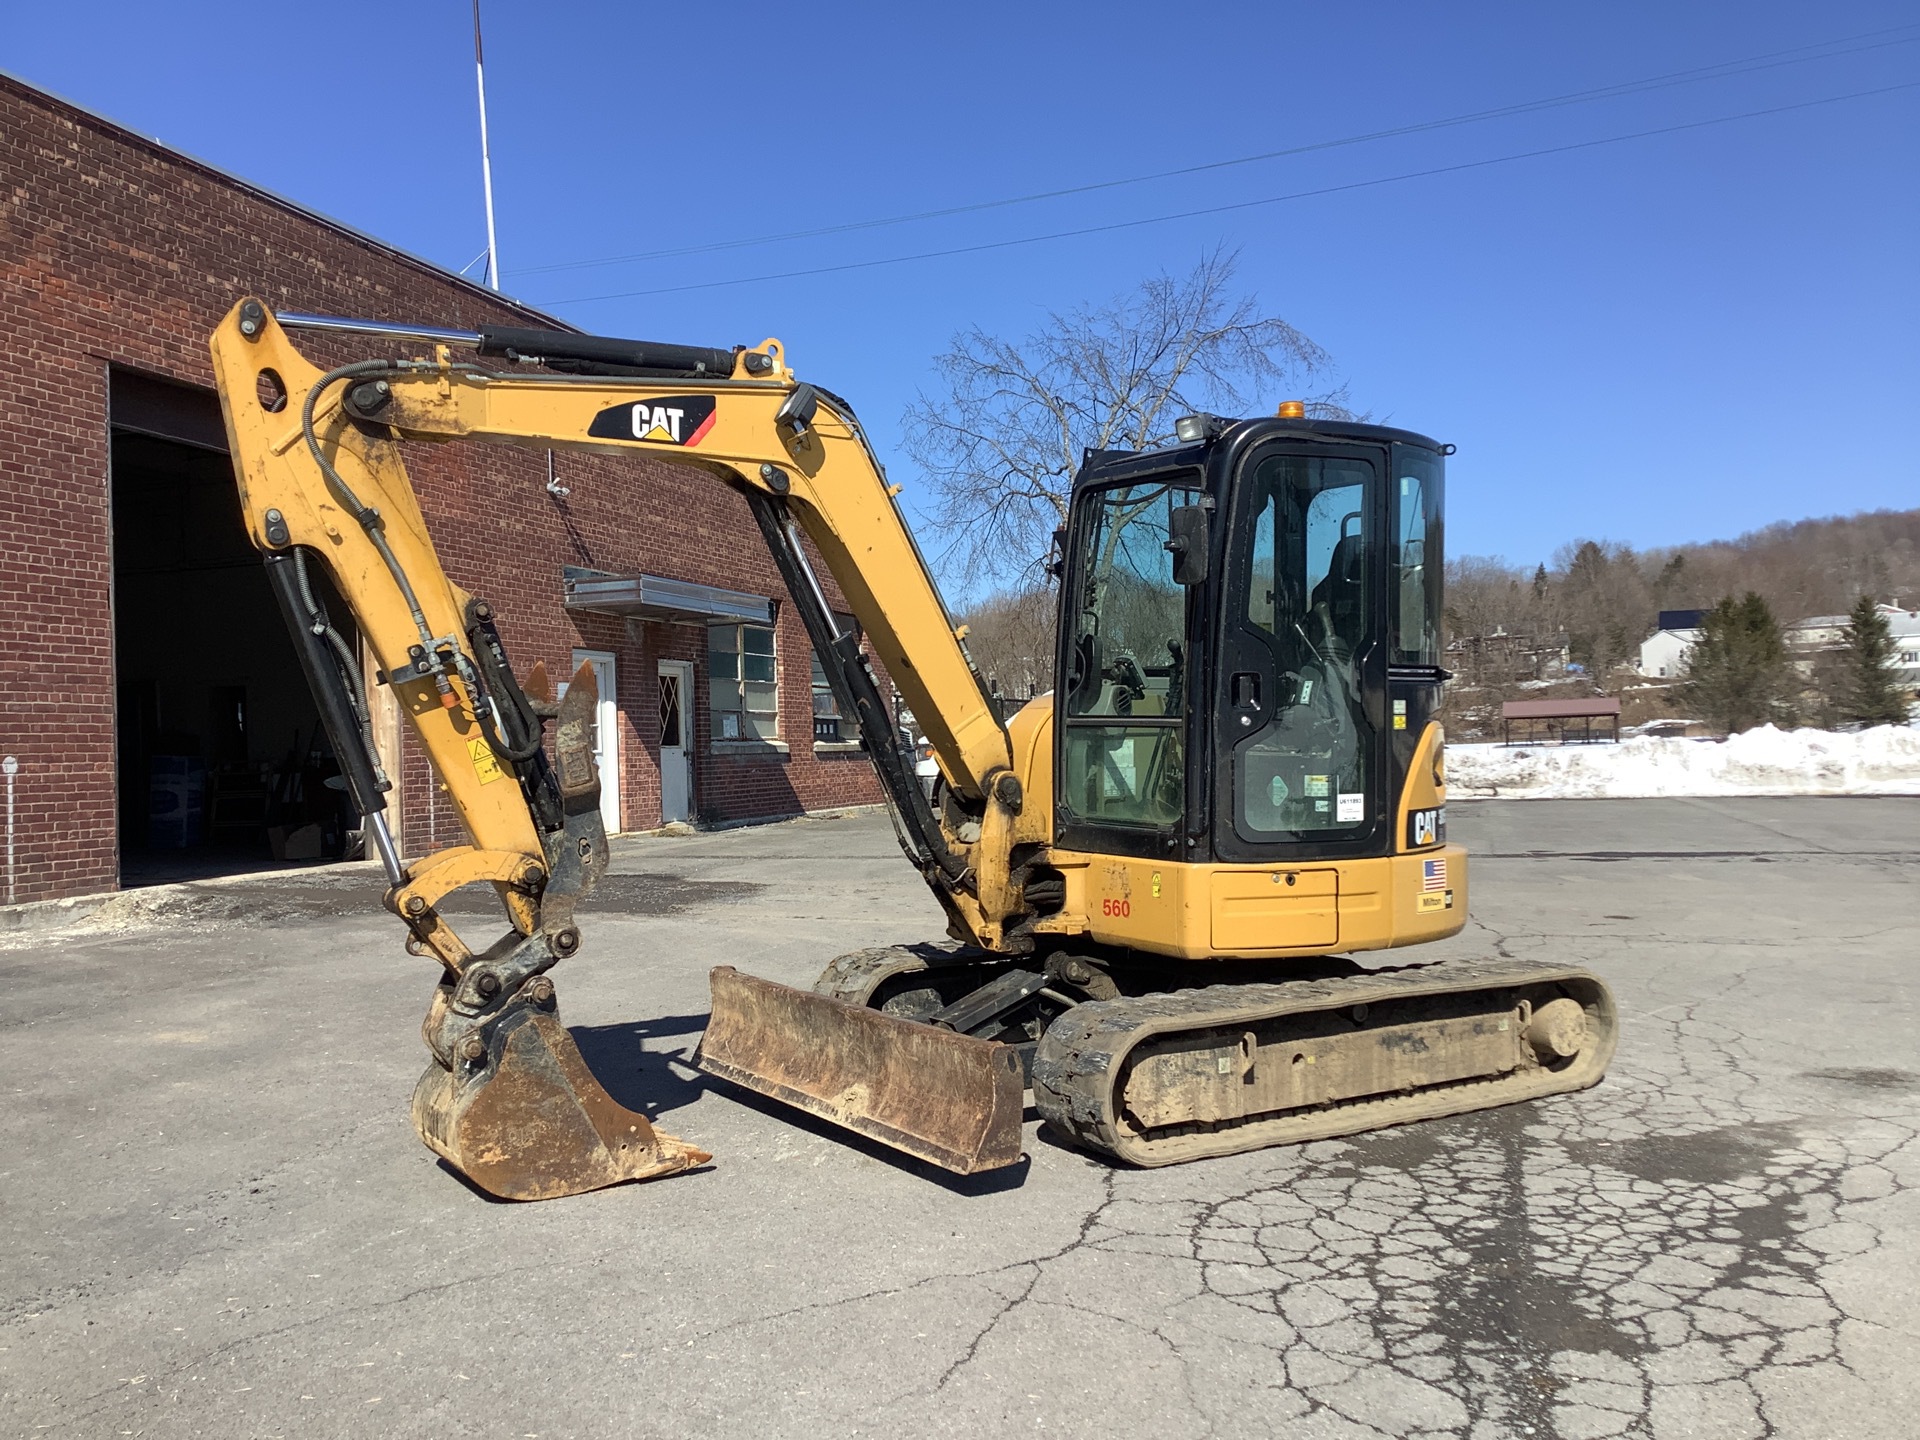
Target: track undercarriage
[[1131, 1058]]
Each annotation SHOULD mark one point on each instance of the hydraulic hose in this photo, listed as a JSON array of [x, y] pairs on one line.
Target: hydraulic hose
[[368, 517]]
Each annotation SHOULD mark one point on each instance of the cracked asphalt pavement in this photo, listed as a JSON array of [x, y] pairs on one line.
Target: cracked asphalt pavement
[[218, 1221]]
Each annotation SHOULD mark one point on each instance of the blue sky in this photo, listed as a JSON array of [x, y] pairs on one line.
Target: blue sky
[[1657, 340]]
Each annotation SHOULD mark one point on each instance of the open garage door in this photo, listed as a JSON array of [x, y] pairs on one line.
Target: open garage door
[[223, 765]]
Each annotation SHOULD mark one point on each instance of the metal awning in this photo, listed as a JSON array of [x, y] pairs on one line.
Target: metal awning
[[654, 597]]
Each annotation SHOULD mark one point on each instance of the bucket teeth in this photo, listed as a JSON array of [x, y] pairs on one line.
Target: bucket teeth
[[944, 1097], [527, 1120]]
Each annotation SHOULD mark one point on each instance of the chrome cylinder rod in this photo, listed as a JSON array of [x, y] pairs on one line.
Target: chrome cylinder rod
[[299, 320], [382, 837]]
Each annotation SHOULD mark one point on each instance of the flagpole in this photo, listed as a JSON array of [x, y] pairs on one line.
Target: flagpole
[[486, 160]]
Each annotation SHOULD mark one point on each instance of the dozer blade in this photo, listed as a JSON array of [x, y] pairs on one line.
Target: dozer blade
[[944, 1097], [529, 1121]]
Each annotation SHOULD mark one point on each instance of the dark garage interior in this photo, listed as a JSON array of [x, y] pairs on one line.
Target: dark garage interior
[[222, 763]]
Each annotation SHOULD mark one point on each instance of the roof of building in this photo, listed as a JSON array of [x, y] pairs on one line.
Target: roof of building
[[147, 142], [1899, 621], [1591, 705]]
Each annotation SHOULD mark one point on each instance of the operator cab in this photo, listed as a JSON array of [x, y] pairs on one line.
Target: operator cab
[[1249, 641]]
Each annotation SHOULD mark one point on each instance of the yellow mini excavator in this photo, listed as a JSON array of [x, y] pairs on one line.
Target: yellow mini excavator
[[1151, 877]]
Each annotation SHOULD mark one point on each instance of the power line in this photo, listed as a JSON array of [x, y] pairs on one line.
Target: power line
[[1239, 204], [1724, 69]]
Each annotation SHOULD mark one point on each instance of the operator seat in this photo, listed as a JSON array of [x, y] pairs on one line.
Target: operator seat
[[1339, 600]]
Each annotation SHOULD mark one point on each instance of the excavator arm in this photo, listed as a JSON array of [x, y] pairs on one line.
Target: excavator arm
[[507, 1099]]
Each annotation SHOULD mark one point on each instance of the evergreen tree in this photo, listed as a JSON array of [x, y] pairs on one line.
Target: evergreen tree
[[1868, 693], [1673, 578], [1739, 674]]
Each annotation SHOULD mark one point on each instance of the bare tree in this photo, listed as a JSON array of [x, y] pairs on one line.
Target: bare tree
[[1607, 604], [1011, 640], [1486, 595], [1003, 441]]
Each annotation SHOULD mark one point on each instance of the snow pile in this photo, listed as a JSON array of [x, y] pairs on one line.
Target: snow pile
[[1767, 761]]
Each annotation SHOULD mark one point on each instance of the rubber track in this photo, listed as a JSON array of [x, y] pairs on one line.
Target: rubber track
[[1081, 1058], [854, 977]]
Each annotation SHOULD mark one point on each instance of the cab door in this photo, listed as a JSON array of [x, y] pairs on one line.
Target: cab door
[[1120, 719], [1300, 736]]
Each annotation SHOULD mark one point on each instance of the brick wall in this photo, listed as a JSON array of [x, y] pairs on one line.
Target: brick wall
[[115, 251]]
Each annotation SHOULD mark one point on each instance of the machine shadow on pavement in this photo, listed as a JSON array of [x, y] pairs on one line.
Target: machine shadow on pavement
[[639, 1078], [986, 1182]]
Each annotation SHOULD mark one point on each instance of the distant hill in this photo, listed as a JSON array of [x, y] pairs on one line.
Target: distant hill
[[1605, 597], [1510, 628], [1803, 567]]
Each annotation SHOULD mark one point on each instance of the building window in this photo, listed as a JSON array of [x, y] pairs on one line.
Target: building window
[[826, 709], [741, 690], [830, 727]]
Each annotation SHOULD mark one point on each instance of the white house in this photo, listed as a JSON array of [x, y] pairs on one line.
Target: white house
[[1663, 655], [1905, 625], [1826, 632]]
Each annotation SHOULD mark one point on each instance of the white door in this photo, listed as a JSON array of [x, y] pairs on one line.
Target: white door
[[606, 734], [676, 755]]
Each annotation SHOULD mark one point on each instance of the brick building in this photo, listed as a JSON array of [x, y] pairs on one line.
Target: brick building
[[137, 634]]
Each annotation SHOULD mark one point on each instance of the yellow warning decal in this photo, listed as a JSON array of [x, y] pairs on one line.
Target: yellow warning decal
[[484, 763]]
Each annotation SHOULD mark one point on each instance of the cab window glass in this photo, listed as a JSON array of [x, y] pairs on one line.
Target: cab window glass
[[1130, 617], [1417, 559], [1123, 745], [1306, 769]]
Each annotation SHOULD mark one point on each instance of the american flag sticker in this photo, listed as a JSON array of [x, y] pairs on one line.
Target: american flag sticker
[[1433, 875]]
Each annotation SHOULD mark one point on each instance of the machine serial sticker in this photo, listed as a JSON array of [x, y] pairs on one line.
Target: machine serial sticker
[[682, 420], [1352, 807], [484, 764]]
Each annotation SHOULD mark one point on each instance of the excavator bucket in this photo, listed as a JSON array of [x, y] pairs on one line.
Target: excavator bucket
[[527, 1121], [938, 1095]]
